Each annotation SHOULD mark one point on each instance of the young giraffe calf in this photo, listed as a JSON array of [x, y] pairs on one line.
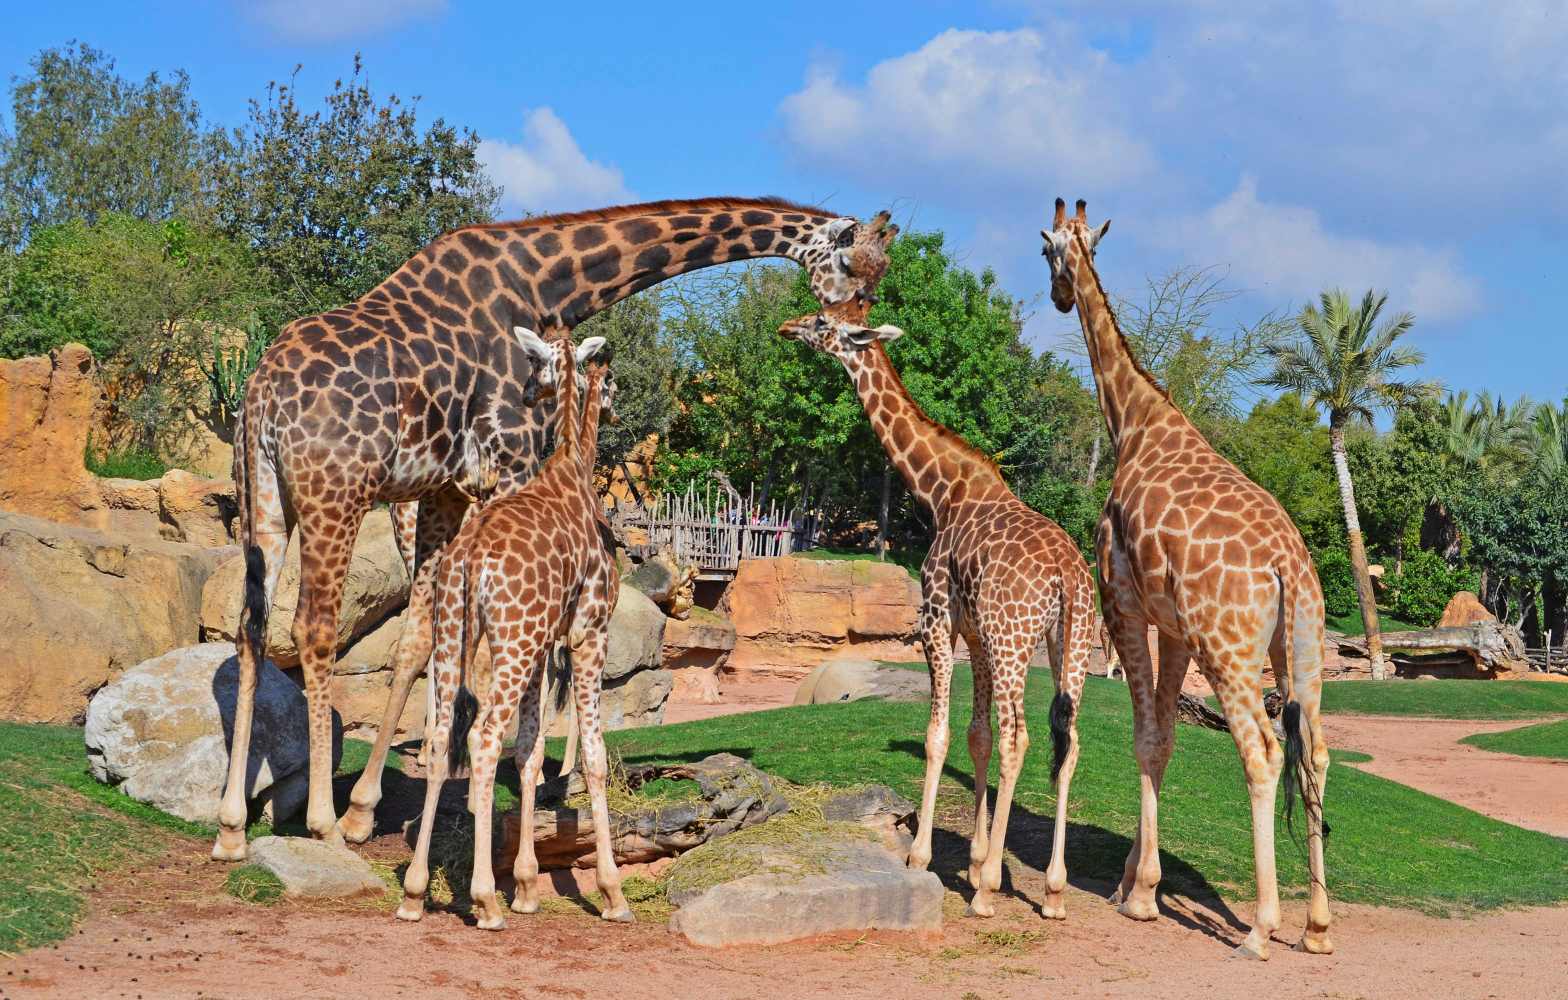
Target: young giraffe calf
[[526, 571], [999, 574]]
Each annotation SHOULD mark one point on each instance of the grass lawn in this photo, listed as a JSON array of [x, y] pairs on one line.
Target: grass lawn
[[1351, 624], [1544, 739], [910, 559], [1390, 845], [60, 829], [1447, 699]]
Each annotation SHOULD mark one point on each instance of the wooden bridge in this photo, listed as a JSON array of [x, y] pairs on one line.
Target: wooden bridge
[[714, 530]]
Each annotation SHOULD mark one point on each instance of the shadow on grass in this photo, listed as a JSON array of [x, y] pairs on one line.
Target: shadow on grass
[[1092, 847]]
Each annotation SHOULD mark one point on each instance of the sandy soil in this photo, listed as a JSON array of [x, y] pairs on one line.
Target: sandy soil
[[1531, 792]]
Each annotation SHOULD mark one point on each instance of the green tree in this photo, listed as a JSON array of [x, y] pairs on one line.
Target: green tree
[[1346, 364], [86, 142], [644, 374], [1284, 448], [331, 202]]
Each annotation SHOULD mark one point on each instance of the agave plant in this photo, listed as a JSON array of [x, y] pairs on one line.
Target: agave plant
[[226, 375]]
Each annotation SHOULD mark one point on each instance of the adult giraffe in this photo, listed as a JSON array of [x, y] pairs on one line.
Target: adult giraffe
[[1190, 545], [997, 573], [381, 400]]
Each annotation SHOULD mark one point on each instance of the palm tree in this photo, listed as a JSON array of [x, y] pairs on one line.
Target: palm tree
[[1344, 362], [1548, 439]]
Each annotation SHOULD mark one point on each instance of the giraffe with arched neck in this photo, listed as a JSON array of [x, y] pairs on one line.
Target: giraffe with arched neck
[[383, 400], [1190, 545], [999, 574], [528, 570]]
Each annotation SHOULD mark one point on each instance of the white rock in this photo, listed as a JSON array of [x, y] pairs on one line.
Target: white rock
[[314, 869]]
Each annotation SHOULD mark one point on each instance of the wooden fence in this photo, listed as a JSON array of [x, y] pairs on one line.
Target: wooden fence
[[714, 530]]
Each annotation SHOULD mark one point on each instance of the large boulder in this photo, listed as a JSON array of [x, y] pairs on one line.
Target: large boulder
[[315, 869], [636, 700], [78, 606], [852, 680], [161, 733], [636, 635], [200, 511], [695, 651], [1464, 608], [376, 588], [791, 614], [47, 405]]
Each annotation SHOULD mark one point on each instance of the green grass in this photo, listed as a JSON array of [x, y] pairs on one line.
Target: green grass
[[1351, 624], [1391, 844], [253, 884], [127, 464], [910, 559], [1447, 699], [1544, 739]]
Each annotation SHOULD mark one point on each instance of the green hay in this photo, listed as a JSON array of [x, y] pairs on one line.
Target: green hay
[[253, 884]]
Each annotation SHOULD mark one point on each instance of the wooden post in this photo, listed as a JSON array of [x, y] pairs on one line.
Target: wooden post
[[882, 518]]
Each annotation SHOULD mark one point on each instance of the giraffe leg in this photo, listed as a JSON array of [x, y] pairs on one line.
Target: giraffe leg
[[326, 544], [445, 679], [573, 730], [1306, 688], [421, 532], [507, 674], [980, 736], [413, 652], [530, 735], [1241, 697], [272, 539], [1008, 671], [937, 637], [587, 679], [1070, 663], [1135, 897]]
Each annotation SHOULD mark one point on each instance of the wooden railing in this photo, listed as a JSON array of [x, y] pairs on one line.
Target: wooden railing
[[714, 530]]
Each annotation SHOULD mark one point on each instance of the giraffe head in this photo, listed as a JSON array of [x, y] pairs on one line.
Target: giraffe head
[[1058, 240], [846, 260], [553, 360], [839, 338], [607, 388]]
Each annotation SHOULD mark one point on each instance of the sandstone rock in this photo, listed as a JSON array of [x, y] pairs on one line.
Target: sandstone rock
[[78, 606], [1464, 608], [695, 651], [635, 701], [161, 731], [376, 587], [865, 887], [373, 652], [201, 511], [314, 869], [790, 614], [209, 455], [636, 635], [852, 680], [361, 698], [46, 411]]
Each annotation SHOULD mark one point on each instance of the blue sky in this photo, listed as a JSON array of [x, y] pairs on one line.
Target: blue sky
[[1413, 145]]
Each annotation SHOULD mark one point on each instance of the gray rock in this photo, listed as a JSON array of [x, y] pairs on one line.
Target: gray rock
[[161, 732], [865, 887], [637, 700], [314, 869], [852, 680], [636, 635]]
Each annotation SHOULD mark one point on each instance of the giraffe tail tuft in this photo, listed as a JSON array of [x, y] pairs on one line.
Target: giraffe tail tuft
[[1298, 775], [1061, 725]]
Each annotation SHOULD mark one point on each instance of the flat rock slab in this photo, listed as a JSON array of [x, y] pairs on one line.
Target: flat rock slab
[[312, 869], [864, 887]]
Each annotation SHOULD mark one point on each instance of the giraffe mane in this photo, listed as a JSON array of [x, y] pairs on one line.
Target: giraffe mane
[[1083, 249], [617, 212], [943, 432]]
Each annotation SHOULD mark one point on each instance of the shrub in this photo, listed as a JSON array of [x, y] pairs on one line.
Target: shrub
[[1338, 580], [1424, 585]]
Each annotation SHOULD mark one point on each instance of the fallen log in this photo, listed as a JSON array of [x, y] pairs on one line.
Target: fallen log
[[1491, 648]]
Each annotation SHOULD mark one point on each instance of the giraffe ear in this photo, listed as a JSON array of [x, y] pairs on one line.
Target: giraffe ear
[[1098, 234], [588, 348], [841, 232], [863, 336], [537, 350]]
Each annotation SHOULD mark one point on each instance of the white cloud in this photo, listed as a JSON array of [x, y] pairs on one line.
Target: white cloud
[[1008, 109], [331, 20], [1285, 252], [548, 171]]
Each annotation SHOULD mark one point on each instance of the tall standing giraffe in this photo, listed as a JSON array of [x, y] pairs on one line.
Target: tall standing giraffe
[[999, 574], [381, 400], [1190, 545]]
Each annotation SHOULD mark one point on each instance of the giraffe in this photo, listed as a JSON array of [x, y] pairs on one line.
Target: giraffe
[[1190, 545], [528, 569], [381, 399], [999, 574]]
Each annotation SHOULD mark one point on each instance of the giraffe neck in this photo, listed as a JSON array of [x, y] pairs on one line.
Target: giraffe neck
[[939, 467], [588, 436], [1129, 396], [557, 271], [567, 443]]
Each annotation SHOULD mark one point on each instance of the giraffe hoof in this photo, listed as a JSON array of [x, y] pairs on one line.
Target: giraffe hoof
[[1053, 909], [357, 824], [411, 910], [918, 862], [622, 915], [491, 922], [525, 905], [230, 846], [1315, 944], [1247, 952], [1136, 909], [981, 906]]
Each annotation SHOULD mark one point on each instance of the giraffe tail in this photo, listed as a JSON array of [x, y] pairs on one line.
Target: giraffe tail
[[250, 644], [1299, 781], [1063, 708], [465, 709]]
